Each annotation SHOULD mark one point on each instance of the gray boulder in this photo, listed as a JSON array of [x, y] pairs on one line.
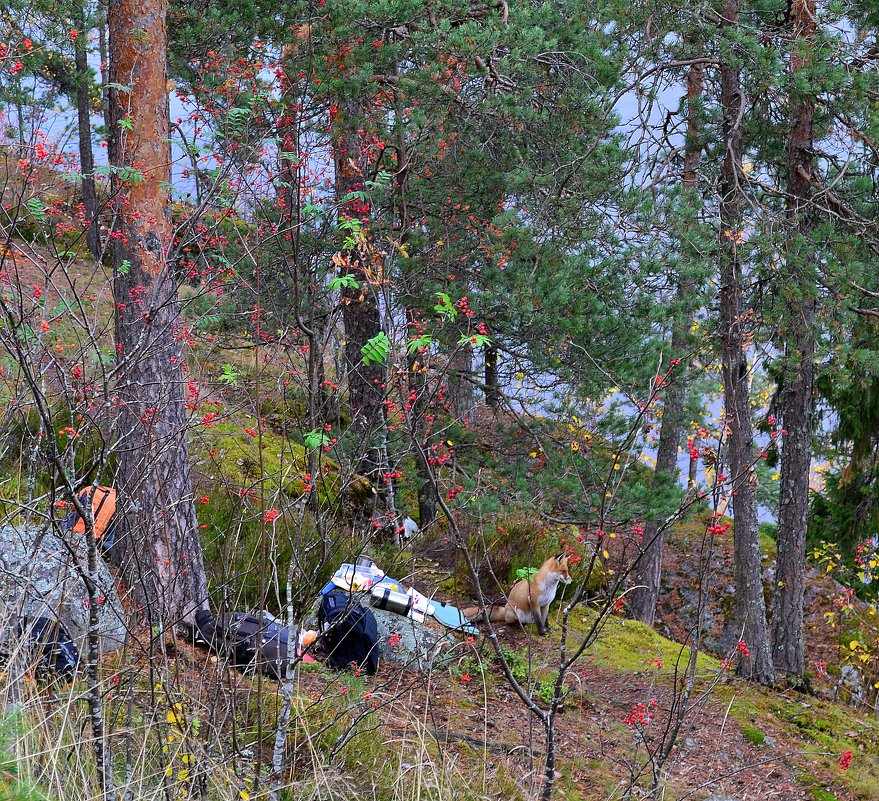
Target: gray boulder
[[414, 645], [42, 576], [851, 681]]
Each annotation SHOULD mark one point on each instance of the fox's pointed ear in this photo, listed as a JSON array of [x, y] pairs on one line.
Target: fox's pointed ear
[[561, 556]]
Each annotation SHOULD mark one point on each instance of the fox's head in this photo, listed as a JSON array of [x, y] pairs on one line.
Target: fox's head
[[561, 568]]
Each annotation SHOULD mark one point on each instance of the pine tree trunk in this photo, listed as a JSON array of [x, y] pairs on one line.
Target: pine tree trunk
[[750, 603], [799, 369], [649, 573], [460, 389], [105, 68], [492, 384], [427, 499], [360, 310], [84, 128], [158, 548]]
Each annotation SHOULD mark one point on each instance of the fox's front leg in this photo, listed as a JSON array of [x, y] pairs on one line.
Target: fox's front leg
[[542, 628], [544, 613]]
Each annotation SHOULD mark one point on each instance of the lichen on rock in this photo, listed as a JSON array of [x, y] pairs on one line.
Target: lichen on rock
[[41, 575]]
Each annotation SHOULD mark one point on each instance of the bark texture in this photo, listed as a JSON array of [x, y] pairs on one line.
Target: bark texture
[[159, 549], [799, 369], [492, 382], [750, 603], [420, 392]]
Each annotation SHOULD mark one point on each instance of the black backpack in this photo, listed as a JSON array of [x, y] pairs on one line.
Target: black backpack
[[350, 632], [243, 638], [233, 634], [51, 644], [273, 648]]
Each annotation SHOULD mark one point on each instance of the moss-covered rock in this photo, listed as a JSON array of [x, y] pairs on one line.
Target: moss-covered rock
[[626, 645], [232, 456]]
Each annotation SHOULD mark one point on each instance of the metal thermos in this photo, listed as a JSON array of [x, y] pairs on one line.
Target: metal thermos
[[391, 600]]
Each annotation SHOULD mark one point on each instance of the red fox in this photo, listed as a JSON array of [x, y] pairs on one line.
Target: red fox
[[528, 601]]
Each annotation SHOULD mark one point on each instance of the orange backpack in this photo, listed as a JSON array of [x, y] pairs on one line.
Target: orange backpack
[[103, 508]]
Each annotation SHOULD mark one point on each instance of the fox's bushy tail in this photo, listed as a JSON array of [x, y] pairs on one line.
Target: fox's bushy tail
[[496, 613]]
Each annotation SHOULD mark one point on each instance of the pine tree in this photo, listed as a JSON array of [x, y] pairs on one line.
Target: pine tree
[[84, 129], [158, 547], [360, 309], [750, 603], [799, 370]]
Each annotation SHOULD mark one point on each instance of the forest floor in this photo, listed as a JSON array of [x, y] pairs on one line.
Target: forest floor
[[461, 731]]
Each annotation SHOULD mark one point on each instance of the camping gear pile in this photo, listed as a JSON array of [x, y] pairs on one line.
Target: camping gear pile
[[250, 640], [388, 593], [348, 630]]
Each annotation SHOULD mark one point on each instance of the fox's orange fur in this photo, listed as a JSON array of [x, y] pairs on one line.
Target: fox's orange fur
[[528, 601]]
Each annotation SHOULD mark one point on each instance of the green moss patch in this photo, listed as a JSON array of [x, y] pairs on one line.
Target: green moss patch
[[626, 645]]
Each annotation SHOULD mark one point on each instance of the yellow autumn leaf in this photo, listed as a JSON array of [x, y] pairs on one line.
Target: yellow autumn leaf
[[400, 248], [244, 795], [854, 645]]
